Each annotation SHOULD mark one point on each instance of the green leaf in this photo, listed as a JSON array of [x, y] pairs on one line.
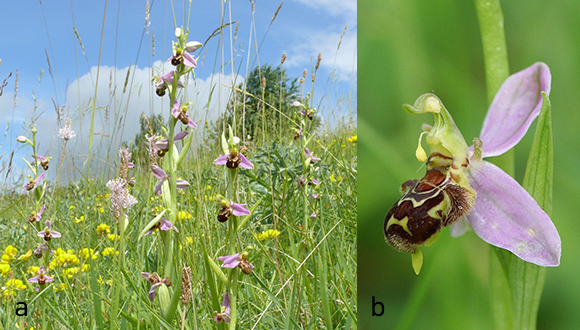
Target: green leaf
[[526, 279], [151, 224]]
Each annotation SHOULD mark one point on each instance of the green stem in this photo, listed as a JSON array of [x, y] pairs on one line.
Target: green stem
[[120, 265], [496, 64]]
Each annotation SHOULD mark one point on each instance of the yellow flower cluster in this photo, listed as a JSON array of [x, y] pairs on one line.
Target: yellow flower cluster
[[109, 251], [63, 258], [184, 215], [70, 272], [33, 270], [7, 257], [85, 254], [352, 139], [26, 256], [10, 286], [103, 228], [270, 233], [335, 180], [112, 237]]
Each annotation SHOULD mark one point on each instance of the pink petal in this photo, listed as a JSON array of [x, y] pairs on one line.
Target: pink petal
[[182, 184], [151, 294], [180, 135], [221, 160], [175, 110], [189, 60], [157, 189], [245, 163], [506, 216], [514, 108], [165, 224], [226, 303], [191, 123], [34, 279], [40, 177], [158, 172], [231, 261], [239, 209]]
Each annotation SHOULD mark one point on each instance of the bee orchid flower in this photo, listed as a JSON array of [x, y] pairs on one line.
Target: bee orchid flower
[[461, 189]]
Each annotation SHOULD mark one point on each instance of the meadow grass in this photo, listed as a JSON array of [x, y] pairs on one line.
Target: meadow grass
[[301, 239]]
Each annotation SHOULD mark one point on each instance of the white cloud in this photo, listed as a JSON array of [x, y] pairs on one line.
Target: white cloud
[[326, 43], [334, 7]]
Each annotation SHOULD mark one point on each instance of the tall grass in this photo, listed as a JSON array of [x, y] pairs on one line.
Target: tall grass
[[300, 238]]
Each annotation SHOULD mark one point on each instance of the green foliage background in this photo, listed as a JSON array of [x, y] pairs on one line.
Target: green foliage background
[[407, 48]]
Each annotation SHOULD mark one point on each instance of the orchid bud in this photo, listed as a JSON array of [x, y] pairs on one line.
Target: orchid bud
[[22, 139], [178, 32], [192, 46]]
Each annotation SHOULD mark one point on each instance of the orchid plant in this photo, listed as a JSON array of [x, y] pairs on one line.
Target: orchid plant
[[461, 189]]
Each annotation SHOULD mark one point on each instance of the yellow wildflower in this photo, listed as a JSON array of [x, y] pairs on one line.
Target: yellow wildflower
[[189, 240], [5, 259], [70, 272], [335, 180], [86, 268], [11, 251], [33, 270], [60, 287], [85, 254], [103, 228], [82, 218], [113, 236], [4, 269], [184, 215], [11, 285], [270, 233], [352, 139], [26, 256], [72, 207], [109, 251]]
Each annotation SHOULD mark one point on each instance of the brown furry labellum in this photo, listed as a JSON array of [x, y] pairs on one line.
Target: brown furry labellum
[[427, 205]]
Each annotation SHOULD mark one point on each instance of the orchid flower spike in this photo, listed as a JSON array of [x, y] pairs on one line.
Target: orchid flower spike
[[460, 187]]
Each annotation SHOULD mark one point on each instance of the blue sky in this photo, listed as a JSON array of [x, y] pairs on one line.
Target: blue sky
[[29, 31]]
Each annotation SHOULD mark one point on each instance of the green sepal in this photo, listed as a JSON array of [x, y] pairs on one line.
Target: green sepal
[[526, 279], [151, 224], [218, 271]]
